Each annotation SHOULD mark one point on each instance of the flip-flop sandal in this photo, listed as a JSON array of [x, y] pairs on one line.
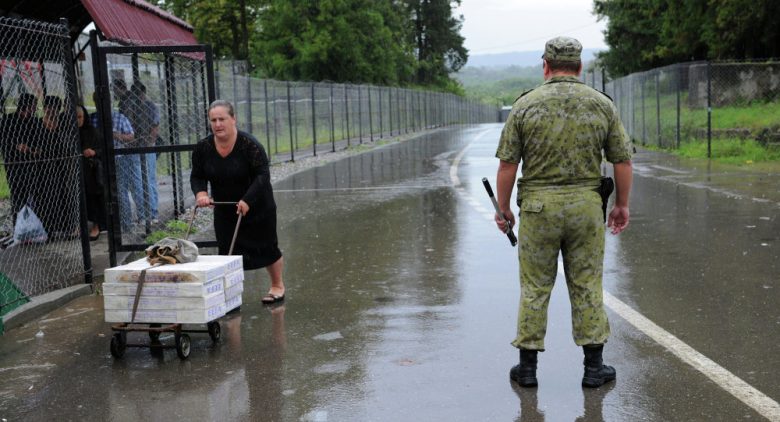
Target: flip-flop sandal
[[271, 298]]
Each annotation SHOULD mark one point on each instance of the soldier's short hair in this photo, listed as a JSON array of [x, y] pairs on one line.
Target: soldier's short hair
[[564, 66]]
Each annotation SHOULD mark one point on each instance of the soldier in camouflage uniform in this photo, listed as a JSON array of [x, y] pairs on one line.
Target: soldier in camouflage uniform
[[559, 131]]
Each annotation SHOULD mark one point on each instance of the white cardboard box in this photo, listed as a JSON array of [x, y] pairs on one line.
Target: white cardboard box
[[193, 316], [232, 303], [165, 289], [206, 268], [233, 278], [231, 262], [234, 291], [163, 302]]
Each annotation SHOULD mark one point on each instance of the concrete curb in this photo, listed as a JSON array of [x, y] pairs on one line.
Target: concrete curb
[[43, 304]]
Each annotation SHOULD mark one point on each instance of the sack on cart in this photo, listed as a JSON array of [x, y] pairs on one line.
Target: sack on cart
[[171, 250]]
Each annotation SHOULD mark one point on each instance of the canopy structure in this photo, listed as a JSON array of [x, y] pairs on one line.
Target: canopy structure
[[128, 22]]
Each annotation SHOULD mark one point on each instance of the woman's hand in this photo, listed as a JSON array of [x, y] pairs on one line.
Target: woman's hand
[[242, 208], [202, 199], [89, 152]]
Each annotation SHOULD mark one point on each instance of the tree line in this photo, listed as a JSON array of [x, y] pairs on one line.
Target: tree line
[[387, 42], [644, 34]]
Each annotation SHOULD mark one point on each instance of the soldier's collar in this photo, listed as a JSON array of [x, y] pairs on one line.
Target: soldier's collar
[[556, 79]]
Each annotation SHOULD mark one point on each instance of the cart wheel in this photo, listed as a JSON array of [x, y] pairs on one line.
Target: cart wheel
[[215, 331], [118, 345], [183, 346]]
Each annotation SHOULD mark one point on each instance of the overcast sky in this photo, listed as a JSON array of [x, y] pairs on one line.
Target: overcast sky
[[499, 26]]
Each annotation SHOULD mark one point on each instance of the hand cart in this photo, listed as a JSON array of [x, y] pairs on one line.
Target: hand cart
[[182, 340]]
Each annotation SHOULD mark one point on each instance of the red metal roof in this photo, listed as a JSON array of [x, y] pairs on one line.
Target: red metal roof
[[136, 22]]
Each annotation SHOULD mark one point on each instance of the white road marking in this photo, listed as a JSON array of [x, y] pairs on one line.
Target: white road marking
[[487, 214], [734, 385], [738, 388]]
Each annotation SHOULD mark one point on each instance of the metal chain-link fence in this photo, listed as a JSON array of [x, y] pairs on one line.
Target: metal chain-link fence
[[292, 118], [698, 102], [40, 180], [155, 100]]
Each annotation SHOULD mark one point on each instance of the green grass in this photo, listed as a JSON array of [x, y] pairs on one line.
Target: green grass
[[5, 191], [730, 151], [726, 147], [174, 228], [754, 116]]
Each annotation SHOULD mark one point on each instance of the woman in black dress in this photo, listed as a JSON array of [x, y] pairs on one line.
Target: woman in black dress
[[93, 183], [236, 167]]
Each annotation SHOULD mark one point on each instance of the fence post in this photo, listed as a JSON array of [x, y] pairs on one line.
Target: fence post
[[249, 102], [679, 88], [425, 109], [276, 121], [398, 102], [380, 112], [406, 110], [313, 122], [216, 82], [332, 122], [235, 83], [346, 110], [70, 112], [360, 116], [390, 109], [658, 106], [290, 122], [267, 126], [709, 109], [644, 129], [173, 125], [370, 116]]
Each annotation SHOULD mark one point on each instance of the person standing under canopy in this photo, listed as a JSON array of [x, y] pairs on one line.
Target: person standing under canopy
[[236, 167]]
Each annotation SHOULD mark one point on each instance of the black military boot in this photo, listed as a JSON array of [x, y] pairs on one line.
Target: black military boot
[[596, 373], [524, 373]]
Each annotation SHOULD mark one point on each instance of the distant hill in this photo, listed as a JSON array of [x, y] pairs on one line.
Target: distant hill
[[519, 58]]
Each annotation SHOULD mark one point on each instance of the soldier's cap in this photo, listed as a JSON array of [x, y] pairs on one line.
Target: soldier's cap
[[562, 49]]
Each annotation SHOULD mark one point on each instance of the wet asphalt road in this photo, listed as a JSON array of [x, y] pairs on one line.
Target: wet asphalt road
[[402, 300]]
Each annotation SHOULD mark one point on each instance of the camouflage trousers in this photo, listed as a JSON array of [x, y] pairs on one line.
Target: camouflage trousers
[[572, 223]]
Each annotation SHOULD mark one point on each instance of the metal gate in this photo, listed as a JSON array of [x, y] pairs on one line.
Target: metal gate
[[151, 109]]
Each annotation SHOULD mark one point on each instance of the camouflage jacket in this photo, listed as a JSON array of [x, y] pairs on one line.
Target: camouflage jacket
[[559, 131]]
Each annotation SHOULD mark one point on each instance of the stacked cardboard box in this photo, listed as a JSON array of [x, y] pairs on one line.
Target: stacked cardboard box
[[192, 293]]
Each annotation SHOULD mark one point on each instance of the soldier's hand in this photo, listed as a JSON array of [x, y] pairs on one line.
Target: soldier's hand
[[501, 224], [618, 219]]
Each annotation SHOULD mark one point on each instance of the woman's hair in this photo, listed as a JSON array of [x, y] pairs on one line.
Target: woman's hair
[[222, 103], [87, 119]]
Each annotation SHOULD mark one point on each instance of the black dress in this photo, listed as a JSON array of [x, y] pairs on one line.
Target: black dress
[[93, 175], [242, 175]]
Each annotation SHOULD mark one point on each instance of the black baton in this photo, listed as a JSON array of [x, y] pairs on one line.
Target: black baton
[[509, 233]]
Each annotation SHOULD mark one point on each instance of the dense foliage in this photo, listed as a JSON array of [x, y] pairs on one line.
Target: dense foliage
[[499, 85], [389, 42], [642, 34]]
